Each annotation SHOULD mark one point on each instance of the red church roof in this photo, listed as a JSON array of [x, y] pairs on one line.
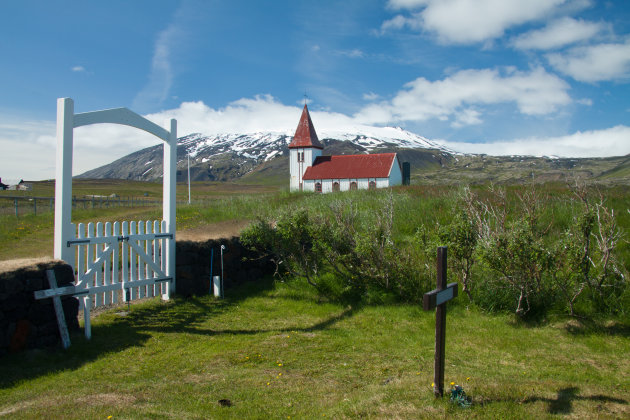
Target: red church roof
[[305, 135], [351, 166]]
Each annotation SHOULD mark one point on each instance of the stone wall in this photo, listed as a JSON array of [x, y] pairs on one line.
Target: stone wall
[[29, 323], [239, 265]]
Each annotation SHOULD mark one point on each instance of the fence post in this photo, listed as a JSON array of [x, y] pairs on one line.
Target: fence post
[[35, 205], [51, 205], [15, 200]]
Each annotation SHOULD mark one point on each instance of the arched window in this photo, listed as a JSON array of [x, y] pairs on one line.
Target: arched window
[[335, 186], [318, 187], [353, 186], [372, 185]]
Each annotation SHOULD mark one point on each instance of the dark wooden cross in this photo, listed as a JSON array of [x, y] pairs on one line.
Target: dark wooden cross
[[437, 299]]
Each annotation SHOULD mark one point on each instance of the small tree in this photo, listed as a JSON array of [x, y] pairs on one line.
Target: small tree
[[521, 259], [515, 249], [289, 242], [461, 238], [586, 256]]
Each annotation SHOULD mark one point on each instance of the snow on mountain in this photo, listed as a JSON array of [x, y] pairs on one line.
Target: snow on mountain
[[229, 156], [266, 145]]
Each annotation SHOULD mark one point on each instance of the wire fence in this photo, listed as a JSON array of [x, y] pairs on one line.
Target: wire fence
[[23, 205]]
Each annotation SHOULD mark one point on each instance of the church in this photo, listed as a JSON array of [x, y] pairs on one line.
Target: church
[[310, 171]]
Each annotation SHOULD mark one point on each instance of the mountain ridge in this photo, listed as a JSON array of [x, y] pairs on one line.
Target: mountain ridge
[[263, 157], [225, 157]]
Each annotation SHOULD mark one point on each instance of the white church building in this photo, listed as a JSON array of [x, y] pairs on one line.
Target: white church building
[[310, 171]]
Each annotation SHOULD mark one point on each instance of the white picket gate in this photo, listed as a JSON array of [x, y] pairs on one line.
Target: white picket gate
[[120, 262]]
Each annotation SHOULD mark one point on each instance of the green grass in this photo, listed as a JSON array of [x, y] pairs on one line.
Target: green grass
[[276, 350], [31, 235]]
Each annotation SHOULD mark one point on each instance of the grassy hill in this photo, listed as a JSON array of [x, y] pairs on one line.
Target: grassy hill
[[481, 169]]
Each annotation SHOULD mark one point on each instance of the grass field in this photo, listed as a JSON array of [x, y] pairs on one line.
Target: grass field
[[31, 235], [276, 351], [279, 350]]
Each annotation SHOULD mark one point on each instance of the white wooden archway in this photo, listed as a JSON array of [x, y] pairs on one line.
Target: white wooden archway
[[65, 232]]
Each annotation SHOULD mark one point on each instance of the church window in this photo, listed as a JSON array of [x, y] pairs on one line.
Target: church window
[[335, 186], [372, 185], [353, 186], [318, 187]]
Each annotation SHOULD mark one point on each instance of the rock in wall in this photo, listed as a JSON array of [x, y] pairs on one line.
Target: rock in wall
[[29, 323]]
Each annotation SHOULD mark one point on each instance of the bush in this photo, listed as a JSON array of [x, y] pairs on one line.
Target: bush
[[345, 252], [516, 250]]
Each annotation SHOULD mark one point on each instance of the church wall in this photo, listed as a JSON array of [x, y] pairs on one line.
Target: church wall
[[297, 169], [344, 184]]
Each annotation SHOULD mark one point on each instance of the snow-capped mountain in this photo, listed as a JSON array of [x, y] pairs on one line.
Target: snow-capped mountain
[[224, 157]]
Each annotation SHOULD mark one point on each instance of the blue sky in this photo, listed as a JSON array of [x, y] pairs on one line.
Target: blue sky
[[542, 77]]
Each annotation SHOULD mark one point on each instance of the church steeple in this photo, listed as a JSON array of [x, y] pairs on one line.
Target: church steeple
[[305, 135]]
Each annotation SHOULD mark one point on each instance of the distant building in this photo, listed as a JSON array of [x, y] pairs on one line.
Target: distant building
[[310, 171], [3, 186], [20, 186]]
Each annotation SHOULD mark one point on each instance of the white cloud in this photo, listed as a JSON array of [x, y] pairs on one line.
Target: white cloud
[[354, 53], [161, 76], [470, 21], [467, 117], [169, 46], [585, 101], [534, 93], [558, 33], [399, 22], [29, 147], [594, 63], [370, 96], [407, 4], [613, 141], [78, 69]]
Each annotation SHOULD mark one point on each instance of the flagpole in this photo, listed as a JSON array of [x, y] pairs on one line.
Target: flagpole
[[188, 178]]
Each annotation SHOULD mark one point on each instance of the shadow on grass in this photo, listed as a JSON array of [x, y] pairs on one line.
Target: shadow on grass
[[117, 331], [589, 326], [563, 403]]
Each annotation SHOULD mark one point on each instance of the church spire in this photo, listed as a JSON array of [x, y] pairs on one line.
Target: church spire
[[305, 135]]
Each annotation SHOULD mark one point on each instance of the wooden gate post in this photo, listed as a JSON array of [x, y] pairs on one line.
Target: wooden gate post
[[169, 198], [63, 181]]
